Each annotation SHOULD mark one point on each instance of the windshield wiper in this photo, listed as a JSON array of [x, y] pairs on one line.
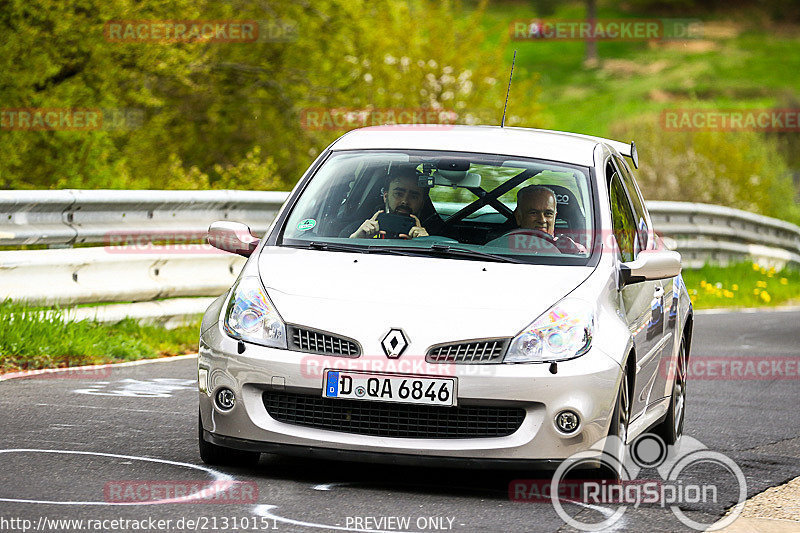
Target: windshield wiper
[[436, 249], [330, 246], [446, 250]]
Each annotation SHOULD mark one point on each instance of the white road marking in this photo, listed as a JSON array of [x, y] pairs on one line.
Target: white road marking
[[329, 486], [619, 525], [224, 481], [151, 388], [104, 408]]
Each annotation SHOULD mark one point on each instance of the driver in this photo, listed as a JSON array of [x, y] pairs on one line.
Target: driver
[[536, 209], [402, 196]]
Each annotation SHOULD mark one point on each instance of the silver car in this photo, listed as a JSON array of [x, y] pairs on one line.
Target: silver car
[[455, 295]]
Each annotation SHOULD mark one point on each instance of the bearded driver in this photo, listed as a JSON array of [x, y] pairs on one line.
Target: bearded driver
[[402, 196]]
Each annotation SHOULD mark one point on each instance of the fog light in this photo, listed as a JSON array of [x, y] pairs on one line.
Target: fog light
[[225, 399], [567, 421]]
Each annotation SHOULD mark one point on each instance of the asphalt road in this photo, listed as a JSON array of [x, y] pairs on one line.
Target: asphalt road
[[68, 442]]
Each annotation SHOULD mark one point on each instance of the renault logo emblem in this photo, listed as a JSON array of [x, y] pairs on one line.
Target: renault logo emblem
[[394, 343]]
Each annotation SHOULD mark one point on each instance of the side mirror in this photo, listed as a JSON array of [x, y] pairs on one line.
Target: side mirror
[[233, 237], [650, 265]]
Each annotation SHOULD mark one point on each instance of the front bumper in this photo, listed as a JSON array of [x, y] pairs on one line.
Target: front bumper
[[587, 385]]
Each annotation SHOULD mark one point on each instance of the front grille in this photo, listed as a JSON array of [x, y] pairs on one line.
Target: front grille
[[380, 419], [483, 351], [319, 342]]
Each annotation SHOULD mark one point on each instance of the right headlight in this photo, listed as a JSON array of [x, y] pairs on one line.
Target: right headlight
[[250, 315], [563, 332]]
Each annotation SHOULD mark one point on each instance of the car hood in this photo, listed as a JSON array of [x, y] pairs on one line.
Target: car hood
[[433, 300]]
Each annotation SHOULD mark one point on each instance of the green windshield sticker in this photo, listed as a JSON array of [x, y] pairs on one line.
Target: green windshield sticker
[[306, 224]]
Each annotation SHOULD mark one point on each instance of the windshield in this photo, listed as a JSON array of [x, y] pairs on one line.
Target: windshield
[[419, 202]]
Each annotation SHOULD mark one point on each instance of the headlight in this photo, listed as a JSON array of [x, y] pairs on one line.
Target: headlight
[[251, 317], [563, 332]]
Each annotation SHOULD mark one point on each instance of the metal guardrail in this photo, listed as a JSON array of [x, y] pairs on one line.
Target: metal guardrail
[[64, 218], [73, 216], [711, 233]]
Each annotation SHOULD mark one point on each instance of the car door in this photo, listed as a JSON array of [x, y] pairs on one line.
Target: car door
[[663, 329], [642, 303]]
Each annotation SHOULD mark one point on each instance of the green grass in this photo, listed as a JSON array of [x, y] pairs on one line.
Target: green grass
[[741, 285], [32, 339], [750, 67]]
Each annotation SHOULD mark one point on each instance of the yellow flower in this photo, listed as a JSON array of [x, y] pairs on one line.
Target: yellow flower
[[765, 296], [756, 291], [735, 287], [727, 293], [770, 274], [703, 283], [784, 281], [762, 284], [755, 266], [763, 270]]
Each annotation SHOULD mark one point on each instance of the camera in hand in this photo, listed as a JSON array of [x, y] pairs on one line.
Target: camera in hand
[[395, 225]]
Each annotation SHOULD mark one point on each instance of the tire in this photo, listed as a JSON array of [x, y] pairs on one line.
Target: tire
[[214, 455], [671, 429], [619, 428]]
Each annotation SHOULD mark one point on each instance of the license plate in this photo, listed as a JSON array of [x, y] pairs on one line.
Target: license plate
[[389, 388]]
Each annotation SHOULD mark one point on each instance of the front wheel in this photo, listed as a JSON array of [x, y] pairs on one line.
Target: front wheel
[[618, 432], [671, 429], [214, 455]]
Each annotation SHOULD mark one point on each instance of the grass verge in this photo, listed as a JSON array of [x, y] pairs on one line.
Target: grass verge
[[741, 285], [32, 339]]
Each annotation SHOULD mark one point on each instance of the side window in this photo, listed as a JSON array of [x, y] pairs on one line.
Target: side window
[[639, 209], [622, 217]]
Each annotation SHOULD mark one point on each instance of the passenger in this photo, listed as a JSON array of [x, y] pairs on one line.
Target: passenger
[[536, 209], [402, 196]]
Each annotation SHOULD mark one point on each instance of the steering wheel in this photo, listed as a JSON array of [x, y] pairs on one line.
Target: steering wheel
[[528, 241]]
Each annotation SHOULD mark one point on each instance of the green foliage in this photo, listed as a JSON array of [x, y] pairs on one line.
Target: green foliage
[[210, 110], [743, 170], [33, 338], [741, 285]]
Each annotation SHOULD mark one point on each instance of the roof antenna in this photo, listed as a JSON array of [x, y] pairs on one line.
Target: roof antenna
[[503, 122]]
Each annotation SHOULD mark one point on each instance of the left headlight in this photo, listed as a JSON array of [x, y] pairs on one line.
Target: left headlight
[[250, 315], [563, 332]]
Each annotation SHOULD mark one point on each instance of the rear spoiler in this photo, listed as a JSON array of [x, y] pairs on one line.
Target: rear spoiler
[[628, 150]]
